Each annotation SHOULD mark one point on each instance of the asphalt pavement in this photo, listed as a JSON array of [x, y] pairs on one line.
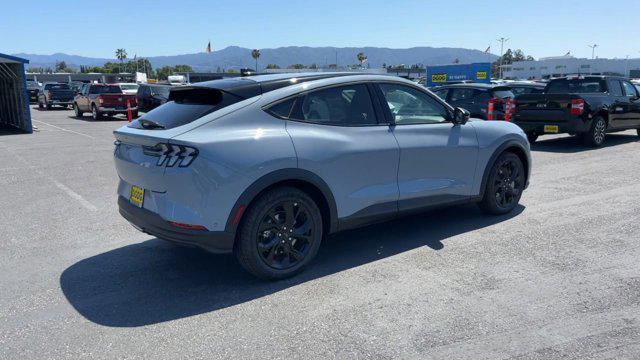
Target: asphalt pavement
[[557, 278]]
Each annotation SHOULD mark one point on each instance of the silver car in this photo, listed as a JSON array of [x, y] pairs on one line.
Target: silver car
[[265, 166]]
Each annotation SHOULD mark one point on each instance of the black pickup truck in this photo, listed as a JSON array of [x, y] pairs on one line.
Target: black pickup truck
[[59, 94], [589, 106]]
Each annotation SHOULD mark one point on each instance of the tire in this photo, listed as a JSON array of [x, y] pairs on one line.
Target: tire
[[638, 132], [504, 186], [76, 109], [95, 114], [40, 105], [532, 137], [263, 246], [596, 135], [48, 106]]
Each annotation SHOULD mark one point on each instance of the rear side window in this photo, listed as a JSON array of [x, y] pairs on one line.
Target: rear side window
[[282, 109], [185, 106], [615, 88], [462, 95], [577, 86], [348, 105]]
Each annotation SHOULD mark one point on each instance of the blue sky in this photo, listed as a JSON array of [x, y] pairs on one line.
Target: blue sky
[[151, 28]]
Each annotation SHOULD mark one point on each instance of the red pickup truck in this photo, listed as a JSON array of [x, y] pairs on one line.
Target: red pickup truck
[[104, 99]]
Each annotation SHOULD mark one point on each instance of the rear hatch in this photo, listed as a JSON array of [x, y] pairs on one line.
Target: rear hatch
[[141, 144]]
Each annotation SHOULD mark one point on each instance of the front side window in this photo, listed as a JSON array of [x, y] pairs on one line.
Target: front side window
[[411, 106], [629, 89], [348, 105]]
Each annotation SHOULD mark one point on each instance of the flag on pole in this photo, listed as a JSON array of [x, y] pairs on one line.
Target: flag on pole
[[208, 50], [568, 53], [488, 49]]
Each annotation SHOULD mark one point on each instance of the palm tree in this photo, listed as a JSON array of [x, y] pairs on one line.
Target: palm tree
[[361, 57], [255, 53], [121, 54]]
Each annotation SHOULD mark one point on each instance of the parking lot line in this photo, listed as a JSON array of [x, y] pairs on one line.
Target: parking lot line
[[63, 129], [74, 195]]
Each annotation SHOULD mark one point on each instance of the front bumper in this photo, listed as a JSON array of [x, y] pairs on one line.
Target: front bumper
[[572, 126], [152, 224]]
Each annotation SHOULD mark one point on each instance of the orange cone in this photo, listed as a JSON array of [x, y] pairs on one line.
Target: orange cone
[[129, 115]]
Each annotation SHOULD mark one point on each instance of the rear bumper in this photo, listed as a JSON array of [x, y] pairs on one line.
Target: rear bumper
[[61, 102], [108, 110], [572, 126], [152, 224]]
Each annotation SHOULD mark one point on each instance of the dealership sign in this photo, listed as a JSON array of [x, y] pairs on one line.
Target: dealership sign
[[477, 72]]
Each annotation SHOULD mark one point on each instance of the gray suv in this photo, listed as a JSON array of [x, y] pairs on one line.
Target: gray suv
[[265, 166]]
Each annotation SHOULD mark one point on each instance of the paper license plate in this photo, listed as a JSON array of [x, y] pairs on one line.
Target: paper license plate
[[136, 196]]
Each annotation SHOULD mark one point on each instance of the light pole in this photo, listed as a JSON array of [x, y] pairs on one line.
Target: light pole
[[502, 41], [593, 50]]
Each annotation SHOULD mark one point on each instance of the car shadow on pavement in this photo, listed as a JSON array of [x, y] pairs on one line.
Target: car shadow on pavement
[[155, 281], [573, 144]]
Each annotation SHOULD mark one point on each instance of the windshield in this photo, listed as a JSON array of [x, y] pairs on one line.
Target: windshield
[[109, 89], [57, 87], [577, 86]]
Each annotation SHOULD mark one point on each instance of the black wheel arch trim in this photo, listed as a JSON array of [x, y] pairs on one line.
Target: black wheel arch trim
[[492, 160], [279, 176]]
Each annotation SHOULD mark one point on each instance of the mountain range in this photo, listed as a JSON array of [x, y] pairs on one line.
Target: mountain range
[[234, 57]]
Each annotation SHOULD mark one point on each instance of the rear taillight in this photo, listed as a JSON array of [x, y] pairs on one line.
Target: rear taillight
[[491, 104], [509, 109], [577, 107], [170, 154], [49, 94]]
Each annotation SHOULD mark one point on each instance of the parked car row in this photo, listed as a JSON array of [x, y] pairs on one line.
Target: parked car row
[[588, 106]]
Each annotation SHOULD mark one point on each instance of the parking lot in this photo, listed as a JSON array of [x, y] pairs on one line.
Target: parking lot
[[558, 277]]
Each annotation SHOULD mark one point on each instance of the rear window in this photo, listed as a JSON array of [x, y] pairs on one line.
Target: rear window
[[185, 106], [162, 91], [577, 86], [109, 89], [57, 87], [525, 90], [128, 87], [502, 93]]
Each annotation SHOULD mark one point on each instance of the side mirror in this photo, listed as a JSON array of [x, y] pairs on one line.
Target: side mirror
[[460, 116]]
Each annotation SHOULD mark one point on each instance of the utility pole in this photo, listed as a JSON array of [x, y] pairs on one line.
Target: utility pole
[[593, 50], [626, 67], [502, 41]]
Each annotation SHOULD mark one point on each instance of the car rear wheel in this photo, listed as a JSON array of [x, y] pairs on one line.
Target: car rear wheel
[[95, 114], [504, 186], [596, 135], [279, 234], [532, 137], [48, 106], [77, 110]]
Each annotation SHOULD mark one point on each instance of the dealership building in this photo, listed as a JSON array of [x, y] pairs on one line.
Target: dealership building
[[566, 65]]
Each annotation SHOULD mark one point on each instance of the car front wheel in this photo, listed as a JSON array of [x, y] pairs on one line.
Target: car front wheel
[[504, 186], [279, 234]]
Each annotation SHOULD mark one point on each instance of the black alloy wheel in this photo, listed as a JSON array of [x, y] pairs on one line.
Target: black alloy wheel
[[505, 185], [285, 235], [596, 135], [279, 234]]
